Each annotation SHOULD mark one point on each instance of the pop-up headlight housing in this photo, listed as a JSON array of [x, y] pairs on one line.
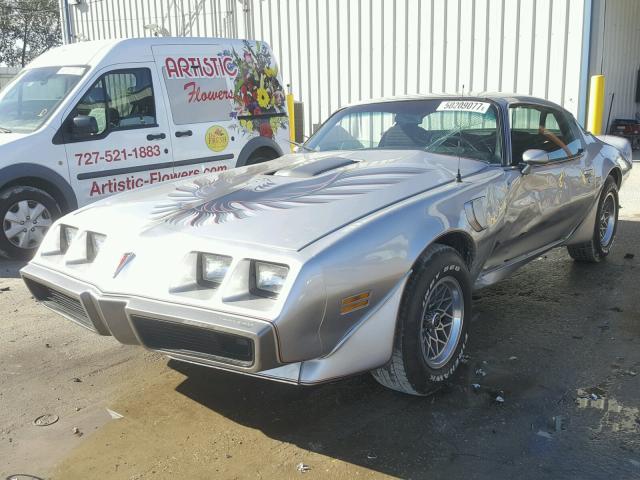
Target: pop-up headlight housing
[[212, 269], [267, 279], [67, 234], [94, 244]]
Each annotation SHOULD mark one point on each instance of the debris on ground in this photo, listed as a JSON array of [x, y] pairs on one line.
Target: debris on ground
[[499, 399], [542, 433], [114, 415], [480, 372], [513, 358], [475, 386], [46, 420], [47, 345], [628, 256], [23, 476], [76, 431], [76, 380], [559, 423], [371, 456], [303, 468], [593, 396], [5, 289]]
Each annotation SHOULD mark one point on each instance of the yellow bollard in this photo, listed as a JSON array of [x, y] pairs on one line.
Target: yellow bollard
[[596, 105], [292, 121]]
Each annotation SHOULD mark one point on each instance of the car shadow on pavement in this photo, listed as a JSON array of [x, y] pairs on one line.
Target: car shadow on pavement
[[10, 268], [533, 341]]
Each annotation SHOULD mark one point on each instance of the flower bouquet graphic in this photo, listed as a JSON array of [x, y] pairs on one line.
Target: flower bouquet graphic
[[259, 99]]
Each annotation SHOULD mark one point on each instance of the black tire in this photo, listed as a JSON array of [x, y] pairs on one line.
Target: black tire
[[408, 371], [8, 199], [262, 155], [596, 249]]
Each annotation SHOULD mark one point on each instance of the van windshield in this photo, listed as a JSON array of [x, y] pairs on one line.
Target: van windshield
[[29, 100]]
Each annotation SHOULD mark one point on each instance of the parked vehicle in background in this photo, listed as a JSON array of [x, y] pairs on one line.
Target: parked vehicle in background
[[87, 120], [359, 255]]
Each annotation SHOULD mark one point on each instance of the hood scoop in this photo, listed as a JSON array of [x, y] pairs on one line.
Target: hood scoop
[[314, 168]]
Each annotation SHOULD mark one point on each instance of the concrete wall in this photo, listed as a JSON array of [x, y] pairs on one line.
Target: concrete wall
[[334, 52]]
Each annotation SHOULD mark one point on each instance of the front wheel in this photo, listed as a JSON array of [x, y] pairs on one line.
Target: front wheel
[[26, 214], [605, 228], [431, 331]]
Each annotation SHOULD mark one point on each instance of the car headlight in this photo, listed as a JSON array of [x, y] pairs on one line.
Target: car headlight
[[94, 244], [212, 269], [268, 278], [67, 234]]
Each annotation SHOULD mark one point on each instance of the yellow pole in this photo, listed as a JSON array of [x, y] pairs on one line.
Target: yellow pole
[[596, 105], [292, 120]]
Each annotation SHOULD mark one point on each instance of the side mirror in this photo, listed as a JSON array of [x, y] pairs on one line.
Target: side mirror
[[84, 125], [534, 157]]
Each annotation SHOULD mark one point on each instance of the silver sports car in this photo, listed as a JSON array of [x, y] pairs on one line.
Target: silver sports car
[[359, 253]]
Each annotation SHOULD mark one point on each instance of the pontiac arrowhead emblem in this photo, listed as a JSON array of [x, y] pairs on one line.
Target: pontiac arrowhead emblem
[[126, 258]]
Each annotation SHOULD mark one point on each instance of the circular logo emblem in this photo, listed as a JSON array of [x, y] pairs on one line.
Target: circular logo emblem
[[216, 138]]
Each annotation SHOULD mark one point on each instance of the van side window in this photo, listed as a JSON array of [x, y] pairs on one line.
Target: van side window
[[535, 127], [130, 98], [118, 100]]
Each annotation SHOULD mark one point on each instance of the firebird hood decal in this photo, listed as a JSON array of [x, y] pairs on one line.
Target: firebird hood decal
[[219, 200]]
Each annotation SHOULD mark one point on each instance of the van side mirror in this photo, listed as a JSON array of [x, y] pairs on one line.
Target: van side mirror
[[533, 157], [84, 126]]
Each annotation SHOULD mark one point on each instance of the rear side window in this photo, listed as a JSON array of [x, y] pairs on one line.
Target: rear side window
[[535, 127], [119, 100]]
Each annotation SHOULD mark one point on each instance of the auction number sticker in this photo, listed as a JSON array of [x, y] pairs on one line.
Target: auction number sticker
[[463, 106], [216, 138]]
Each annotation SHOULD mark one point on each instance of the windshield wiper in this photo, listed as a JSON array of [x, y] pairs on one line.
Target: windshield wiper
[[302, 146], [4, 130]]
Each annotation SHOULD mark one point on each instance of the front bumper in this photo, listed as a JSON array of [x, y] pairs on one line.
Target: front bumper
[[191, 334]]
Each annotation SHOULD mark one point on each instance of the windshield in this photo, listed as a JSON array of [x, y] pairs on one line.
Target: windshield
[[460, 127], [28, 101]]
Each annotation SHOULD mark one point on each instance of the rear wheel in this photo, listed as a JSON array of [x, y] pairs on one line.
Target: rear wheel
[[431, 331], [604, 231], [26, 214]]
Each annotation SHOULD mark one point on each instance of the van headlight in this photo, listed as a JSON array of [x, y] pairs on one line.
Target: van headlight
[[268, 278], [212, 269]]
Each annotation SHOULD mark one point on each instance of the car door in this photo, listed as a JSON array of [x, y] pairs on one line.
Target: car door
[[547, 202], [116, 136], [198, 82]]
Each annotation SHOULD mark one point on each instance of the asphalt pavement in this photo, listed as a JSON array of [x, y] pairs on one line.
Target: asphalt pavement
[[557, 342]]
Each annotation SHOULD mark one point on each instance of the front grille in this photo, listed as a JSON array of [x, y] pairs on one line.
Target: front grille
[[62, 303], [190, 340]]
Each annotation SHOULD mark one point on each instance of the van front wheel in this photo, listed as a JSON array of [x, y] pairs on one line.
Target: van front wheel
[[262, 155], [26, 213]]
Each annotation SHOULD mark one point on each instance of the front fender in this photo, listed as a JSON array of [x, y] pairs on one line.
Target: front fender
[[44, 175]]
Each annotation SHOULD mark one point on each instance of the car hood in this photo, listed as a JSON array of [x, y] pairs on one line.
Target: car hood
[[287, 203]]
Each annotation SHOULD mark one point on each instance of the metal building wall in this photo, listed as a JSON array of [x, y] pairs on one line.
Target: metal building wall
[[334, 52], [615, 52]]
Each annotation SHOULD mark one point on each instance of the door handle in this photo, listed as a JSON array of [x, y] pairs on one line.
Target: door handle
[[184, 133], [157, 136]]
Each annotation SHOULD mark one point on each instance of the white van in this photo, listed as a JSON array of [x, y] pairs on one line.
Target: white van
[[91, 119]]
